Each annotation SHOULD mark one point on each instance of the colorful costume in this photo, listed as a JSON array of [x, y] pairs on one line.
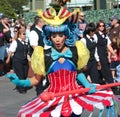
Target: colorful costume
[[62, 76]]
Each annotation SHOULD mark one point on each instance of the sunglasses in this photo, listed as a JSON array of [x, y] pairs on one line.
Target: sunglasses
[[101, 25], [24, 33], [15, 31], [82, 15]]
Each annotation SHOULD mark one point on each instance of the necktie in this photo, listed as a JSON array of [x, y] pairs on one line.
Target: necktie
[[56, 55], [92, 39]]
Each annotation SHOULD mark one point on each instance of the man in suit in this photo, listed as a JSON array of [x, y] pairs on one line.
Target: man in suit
[[36, 39]]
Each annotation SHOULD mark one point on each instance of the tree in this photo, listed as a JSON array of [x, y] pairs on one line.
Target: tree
[[6, 9], [17, 5]]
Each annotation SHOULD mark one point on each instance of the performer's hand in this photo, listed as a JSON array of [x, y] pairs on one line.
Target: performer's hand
[[82, 79], [15, 80], [85, 68], [93, 89], [38, 77]]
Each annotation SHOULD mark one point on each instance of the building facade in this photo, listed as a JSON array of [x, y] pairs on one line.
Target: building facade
[[84, 4]]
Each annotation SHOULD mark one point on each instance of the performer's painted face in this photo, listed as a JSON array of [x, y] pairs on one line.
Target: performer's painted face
[[58, 40]]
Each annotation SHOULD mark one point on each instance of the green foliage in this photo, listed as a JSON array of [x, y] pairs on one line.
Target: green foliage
[[6, 9], [96, 15], [11, 7], [17, 5], [29, 17]]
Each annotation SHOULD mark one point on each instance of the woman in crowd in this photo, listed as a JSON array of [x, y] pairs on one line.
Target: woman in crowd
[[103, 46], [18, 51], [115, 61], [90, 40]]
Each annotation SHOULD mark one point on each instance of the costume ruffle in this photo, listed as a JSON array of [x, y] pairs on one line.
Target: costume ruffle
[[66, 105], [58, 105]]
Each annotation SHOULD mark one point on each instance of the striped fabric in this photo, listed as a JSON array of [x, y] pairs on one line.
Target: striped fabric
[[60, 81], [63, 12], [74, 18], [49, 13]]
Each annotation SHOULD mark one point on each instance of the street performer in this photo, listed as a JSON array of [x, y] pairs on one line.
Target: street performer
[[62, 64]]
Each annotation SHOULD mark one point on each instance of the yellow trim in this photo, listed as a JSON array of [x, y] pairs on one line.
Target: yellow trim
[[56, 21], [83, 54], [37, 61]]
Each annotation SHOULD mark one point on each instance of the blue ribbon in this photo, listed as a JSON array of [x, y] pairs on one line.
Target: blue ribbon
[[110, 111], [56, 55]]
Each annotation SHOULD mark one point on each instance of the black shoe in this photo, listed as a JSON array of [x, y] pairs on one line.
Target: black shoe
[[2, 73], [28, 88], [15, 88], [116, 91], [21, 90]]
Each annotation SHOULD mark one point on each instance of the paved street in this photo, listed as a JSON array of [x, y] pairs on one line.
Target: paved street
[[11, 101]]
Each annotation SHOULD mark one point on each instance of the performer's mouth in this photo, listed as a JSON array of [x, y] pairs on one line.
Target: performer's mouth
[[58, 45]]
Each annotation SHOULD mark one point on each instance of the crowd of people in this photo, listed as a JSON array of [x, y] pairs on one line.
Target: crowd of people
[[52, 56]]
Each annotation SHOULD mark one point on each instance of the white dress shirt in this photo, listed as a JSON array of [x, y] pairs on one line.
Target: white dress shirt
[[33, 37], [13, 45], [106, 37], [95, 40]]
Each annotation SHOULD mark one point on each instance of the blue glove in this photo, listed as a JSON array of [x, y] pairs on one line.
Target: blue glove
[[82, 79], [15, 80]]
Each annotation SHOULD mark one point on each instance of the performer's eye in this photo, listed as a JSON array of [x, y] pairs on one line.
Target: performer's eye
[[57, 34], [61, 34], [53, 35]]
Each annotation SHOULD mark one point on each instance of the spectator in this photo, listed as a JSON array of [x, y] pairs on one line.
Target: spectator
[[28, 31], [4, 42], [90, 40], [103, 46], [12, 24], [15, 32], [115, 60], [115, 27], [82, 23], [18, 51], [36, 39], [35, 36]]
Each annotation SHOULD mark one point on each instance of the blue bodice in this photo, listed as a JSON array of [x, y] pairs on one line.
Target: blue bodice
[[67, 64]]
